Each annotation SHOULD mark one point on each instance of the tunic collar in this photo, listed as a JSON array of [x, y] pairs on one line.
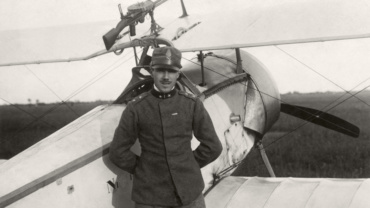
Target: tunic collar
[[162, 95]]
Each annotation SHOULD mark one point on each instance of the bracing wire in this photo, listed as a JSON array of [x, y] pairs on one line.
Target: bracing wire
[[89, 83], [79, 90], [76, 92], [30, 114], [315, 71], [51, 90]]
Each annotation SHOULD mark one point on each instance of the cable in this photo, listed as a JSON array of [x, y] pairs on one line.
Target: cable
[[318, 73], [70, 108], [79, 90], [13, 105], [324, 111], [69, 97], [21, 109], [83, 87], [97, 78], [346, 94]]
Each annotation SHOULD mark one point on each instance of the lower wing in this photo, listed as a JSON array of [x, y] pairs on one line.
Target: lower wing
[[289, 192]]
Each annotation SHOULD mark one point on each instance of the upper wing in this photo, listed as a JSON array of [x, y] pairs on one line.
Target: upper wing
[[53, 44], [289, 192], [241, 26], [48, 31], [294, 22]]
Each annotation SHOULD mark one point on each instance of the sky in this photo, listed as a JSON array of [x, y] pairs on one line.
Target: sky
[[310, 67]]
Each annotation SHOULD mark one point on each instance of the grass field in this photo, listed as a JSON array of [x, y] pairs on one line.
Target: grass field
[[309, 151], [19, 129]]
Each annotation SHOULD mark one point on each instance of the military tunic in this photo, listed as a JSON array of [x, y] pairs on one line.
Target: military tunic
[[168, 172]]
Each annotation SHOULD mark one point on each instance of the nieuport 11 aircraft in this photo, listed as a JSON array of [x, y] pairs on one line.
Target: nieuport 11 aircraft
[[70, 168]]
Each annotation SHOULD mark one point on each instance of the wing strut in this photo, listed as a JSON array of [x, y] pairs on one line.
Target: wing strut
[[201, 57], [184, 13], [265, 158], [239, 65]]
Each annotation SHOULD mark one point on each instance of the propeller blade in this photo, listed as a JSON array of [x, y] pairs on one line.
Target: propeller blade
[[321, 118]]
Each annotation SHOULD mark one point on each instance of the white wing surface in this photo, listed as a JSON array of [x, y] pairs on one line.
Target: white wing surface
[[55, 44], [235, 192], [231, 26], [75, 146], [294, 22], [39, 31]]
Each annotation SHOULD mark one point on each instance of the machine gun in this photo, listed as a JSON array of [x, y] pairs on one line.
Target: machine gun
[[136, 14]]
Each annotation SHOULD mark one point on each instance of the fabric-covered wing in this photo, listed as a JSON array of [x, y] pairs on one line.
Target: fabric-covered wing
[[68, 150], [294, 22], [59, 43], [235, 192], [232, 26], [56, 31]]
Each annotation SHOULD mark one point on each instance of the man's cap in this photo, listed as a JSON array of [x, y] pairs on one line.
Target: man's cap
[[166, 57]]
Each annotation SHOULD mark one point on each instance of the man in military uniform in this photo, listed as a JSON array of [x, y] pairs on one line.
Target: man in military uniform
[[167, 174]]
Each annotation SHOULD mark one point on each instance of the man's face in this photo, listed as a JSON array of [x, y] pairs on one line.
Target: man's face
[[165, 79]]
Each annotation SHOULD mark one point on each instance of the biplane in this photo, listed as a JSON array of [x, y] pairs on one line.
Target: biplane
[[70, 168]]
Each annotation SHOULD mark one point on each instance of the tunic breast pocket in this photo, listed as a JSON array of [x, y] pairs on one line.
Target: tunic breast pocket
[[179, 120]]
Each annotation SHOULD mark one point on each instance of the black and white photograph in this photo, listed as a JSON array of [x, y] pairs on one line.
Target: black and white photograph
[[185, 103]]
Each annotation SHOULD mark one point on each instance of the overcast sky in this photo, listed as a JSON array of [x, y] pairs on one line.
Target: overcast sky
[[325, 66]]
